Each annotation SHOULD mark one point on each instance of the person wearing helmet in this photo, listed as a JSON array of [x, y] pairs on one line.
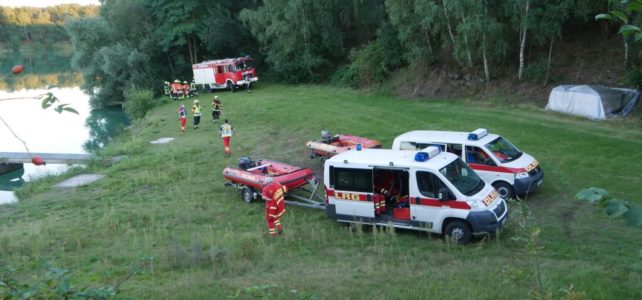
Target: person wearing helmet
[[217, 108], [196, 113], [186, 89], [274, 195], [226, 131], [177, 89]]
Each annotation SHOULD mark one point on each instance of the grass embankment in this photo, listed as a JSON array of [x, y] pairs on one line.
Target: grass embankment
[[169, 202]]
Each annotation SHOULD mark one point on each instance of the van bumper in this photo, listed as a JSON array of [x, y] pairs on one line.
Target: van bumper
[[485, 222], [528, 185]]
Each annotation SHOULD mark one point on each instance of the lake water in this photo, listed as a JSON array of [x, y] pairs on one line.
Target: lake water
[[45, 130]]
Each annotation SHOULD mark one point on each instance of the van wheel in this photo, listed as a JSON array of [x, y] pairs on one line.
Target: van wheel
[[230, 86], [504, 189], [247, 194], [458, 232]]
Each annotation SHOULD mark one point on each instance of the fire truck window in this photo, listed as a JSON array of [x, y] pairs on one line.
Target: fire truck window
[[454, 149], [356, 180], [219, 69], [429, 184]]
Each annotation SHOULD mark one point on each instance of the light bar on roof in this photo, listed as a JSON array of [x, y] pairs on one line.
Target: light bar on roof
[[477, 134]]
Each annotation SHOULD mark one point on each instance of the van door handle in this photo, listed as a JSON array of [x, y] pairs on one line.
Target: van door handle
[[416, 200]]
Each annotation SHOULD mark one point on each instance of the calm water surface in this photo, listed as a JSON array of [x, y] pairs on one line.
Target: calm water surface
[[45, 130]]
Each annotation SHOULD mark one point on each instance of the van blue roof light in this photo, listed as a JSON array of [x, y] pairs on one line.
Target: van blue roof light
[[421, 156], [477, 134]]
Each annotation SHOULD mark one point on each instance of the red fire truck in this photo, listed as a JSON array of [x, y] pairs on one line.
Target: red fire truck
[[229, 73]]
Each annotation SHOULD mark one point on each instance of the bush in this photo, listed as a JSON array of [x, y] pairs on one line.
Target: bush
[[138, 102], [536, 71], [633, 78], [373, 63]]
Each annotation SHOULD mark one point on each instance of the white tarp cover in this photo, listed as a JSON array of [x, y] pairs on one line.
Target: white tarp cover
[[592, 101]]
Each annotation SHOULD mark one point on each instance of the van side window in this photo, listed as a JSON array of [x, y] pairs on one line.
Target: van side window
[[475, 155], [429, 184], [219, 69], [415, 146], [356, 180], [454, 149]]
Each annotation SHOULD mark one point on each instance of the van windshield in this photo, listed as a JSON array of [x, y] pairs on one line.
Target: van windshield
[[462, 177], [503, 150]]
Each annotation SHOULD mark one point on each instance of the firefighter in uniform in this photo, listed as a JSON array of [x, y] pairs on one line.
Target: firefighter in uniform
[[196, 112], [274, 195], [177, 90], [186, 89], [217, 107], [226, 131]]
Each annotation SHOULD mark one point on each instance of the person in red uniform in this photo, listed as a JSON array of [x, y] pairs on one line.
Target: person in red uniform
[[273, 194]]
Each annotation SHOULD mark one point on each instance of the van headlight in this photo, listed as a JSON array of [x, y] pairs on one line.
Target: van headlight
[[521, 175]]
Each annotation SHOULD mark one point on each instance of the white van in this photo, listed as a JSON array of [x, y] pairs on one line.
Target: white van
[[511, 171], [425, 190]]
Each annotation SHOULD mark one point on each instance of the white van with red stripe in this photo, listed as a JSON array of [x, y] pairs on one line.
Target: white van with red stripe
[[497, 161], [426, 190]]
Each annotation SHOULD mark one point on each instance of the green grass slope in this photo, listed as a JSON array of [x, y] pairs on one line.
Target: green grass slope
[[168, 202]]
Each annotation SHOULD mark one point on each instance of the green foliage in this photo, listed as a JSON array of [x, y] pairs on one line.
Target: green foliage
[[53, 282], [374, 62], [633, 77], [614, 208], [43, 26], [138, 102], [300, 37]]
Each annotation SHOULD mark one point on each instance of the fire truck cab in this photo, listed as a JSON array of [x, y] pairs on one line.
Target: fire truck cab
[[425, 190], [229, 73], [497, 161]]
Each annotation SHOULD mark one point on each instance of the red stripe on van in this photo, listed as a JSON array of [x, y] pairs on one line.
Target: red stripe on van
[[480, 167], [437, 203]]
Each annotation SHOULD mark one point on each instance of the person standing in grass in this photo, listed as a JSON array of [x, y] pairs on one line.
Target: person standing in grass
[[182, 115], [274, 195], [217, 107], [226, 131], [196, 112]]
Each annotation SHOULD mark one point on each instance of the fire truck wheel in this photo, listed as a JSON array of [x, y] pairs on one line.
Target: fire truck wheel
[[230, 86], [458, 232], [504, 189], [247, 194]]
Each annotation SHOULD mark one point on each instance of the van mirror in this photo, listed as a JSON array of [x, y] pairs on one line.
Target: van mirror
[[444, 194]]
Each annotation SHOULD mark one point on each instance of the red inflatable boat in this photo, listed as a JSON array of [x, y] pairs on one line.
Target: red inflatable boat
[[330, 146], [250, 178]]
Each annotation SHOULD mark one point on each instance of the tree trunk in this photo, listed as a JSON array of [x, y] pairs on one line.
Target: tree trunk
[[468, 54], [523, 42], [450, 32], [195, 48], [189, 49], [548, 67], [626, 53], [486, 68], [171, 66]]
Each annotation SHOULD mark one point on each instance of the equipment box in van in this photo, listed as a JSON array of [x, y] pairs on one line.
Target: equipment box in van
[[426, 190], [511, 171]]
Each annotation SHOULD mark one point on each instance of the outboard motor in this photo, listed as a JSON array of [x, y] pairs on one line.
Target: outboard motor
[[245, 163], [326, 136]]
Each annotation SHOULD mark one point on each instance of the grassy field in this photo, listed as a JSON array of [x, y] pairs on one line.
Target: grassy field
[[167, 202]]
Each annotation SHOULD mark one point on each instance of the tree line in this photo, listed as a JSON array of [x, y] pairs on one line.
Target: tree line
[[141, 43], [38, 25]]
